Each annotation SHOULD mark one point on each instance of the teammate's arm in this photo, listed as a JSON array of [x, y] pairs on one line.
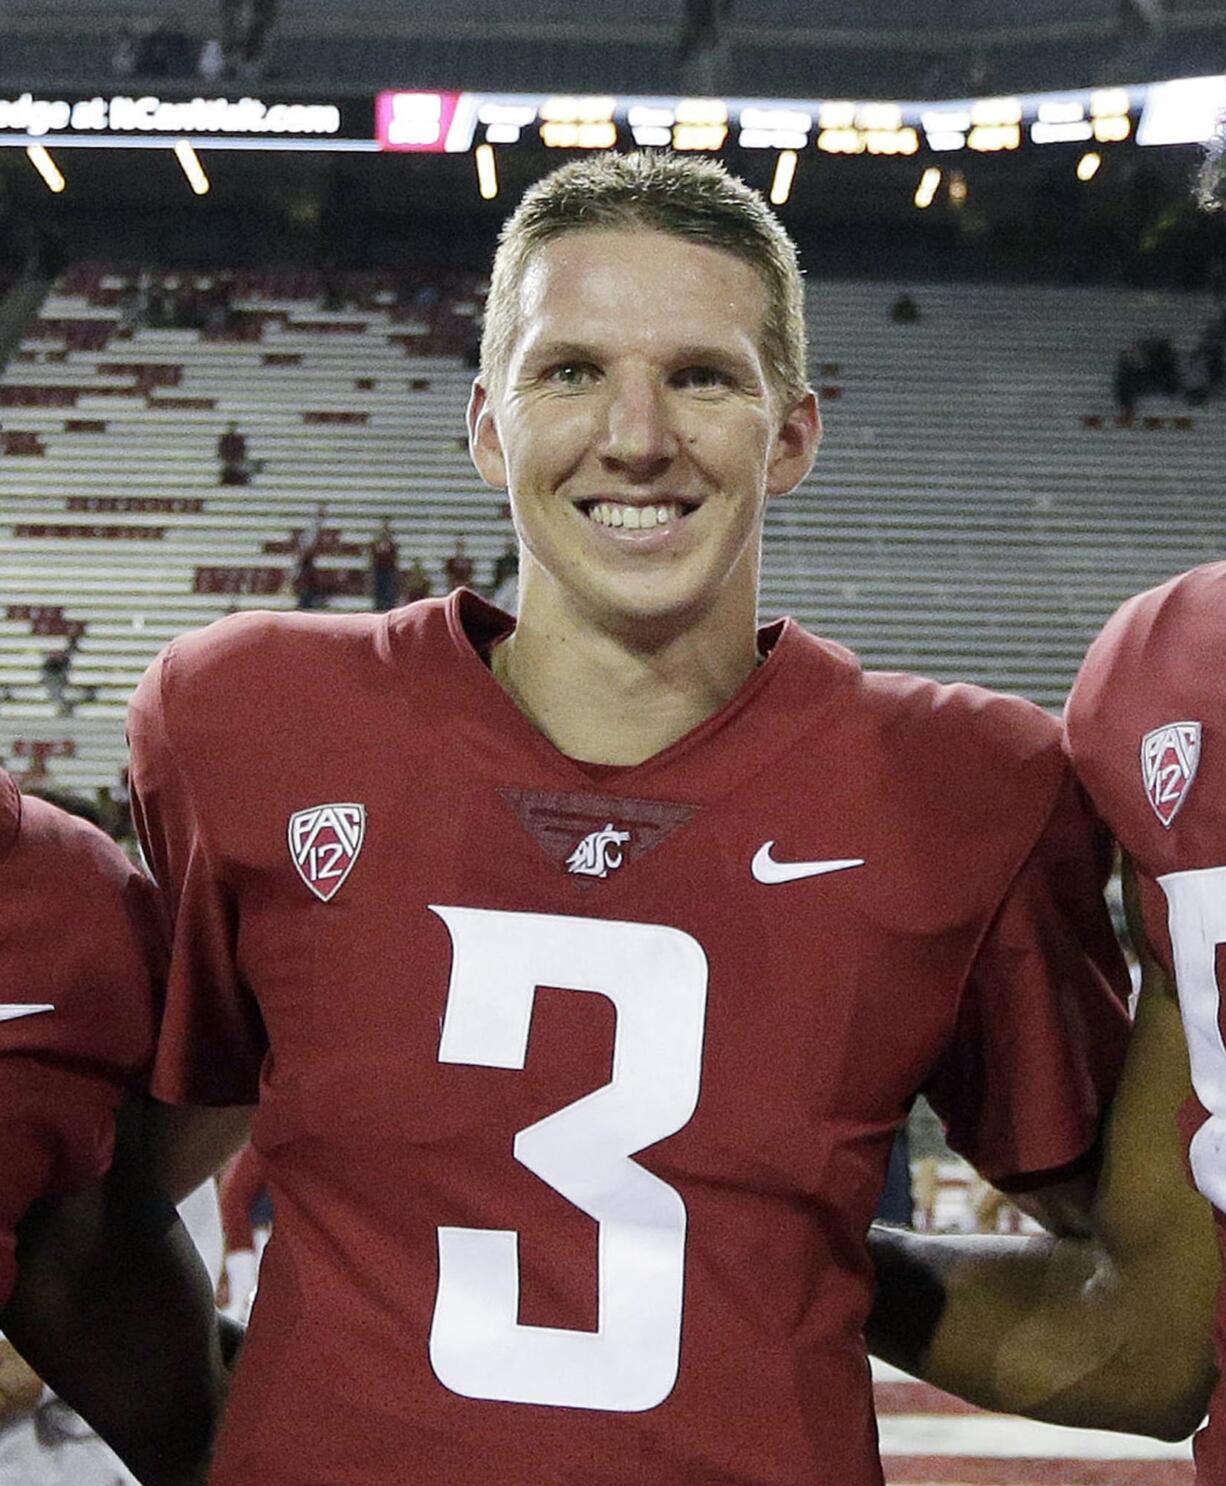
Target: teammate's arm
[[1113, 1330], [189, 1143], [113, 1308]]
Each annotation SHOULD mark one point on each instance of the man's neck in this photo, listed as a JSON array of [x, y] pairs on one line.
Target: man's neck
[[600, 700]]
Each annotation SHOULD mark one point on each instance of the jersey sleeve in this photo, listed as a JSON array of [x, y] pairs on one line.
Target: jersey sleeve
[[1042, 1025], [82, 941], [1146, 728], [212, 1042]]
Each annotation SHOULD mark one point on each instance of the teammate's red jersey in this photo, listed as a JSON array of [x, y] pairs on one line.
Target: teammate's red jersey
[[82, 957], [1146, 723], [577, 1085]]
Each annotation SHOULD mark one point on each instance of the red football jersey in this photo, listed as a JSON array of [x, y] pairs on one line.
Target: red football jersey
[[1146, 723], [82, 957], [577, 1086]]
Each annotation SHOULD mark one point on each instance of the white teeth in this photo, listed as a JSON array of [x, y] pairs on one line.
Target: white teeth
[[633, 518]]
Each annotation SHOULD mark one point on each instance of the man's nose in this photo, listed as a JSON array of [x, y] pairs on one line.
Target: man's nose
[[639, 440]]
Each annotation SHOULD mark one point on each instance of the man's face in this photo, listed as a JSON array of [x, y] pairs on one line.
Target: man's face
[[637, 432]]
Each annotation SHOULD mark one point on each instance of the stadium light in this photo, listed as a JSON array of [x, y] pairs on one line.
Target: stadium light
[[46, 167], [785, 173], [925, 192], [192, 168], [487, 172], [958, 190], [1087, 166]]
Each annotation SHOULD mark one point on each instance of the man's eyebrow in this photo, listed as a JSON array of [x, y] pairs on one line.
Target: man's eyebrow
[[729, 356], [549, 353]]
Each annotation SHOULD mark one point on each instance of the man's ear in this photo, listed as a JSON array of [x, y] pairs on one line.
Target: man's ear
[[484, 444], [795, 446]]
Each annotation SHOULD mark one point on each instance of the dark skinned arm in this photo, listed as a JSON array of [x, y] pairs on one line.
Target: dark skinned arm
[[114, 1310], [1113, 1329]]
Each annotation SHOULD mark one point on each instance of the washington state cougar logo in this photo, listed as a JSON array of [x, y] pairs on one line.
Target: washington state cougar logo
[[324, 842], [1169, 756], [597, 855]]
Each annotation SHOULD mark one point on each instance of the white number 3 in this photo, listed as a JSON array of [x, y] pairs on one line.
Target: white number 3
[[656, 978]]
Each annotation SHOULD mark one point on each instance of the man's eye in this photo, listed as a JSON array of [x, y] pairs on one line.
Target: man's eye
[[570, 373], [702, 376]]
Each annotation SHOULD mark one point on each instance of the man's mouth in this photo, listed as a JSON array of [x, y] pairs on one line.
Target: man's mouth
[[636, 518]]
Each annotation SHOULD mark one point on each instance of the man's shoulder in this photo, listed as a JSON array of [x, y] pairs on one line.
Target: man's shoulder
[[967, 762], [71, 854], [265, 642], [1160, 650], [1146, 720], [10, 813], [241, 687], [248, 660], [961, 719]]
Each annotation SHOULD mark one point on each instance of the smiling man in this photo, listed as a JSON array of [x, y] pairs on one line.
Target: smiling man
[[584, 965]]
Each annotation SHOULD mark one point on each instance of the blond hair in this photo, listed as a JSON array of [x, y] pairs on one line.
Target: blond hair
[[683, 196]]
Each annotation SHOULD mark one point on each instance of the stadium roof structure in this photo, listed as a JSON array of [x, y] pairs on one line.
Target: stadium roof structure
[[789, 48]]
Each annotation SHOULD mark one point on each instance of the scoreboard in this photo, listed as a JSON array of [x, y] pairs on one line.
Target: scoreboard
[[1176, 112]]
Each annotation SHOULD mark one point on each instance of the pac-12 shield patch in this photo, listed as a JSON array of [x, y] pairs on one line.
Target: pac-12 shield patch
[[1169, 756], [324, 841]]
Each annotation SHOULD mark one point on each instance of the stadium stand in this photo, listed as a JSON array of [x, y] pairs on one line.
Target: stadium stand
[[859, 50], [963, 520]]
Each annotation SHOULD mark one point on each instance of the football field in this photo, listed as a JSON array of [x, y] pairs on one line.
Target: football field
[[929, 1438]]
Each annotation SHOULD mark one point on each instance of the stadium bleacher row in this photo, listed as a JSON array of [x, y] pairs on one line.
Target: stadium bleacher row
[[860, 50], [976, 511]]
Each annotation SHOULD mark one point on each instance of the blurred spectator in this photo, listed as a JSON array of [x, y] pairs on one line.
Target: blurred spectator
[[1162, 365], [235, 469], [384, 569], [161, 303], [416, 583], [459, 567], [211, 63], [123, 53], [504, 585], [133, 305], [307, 581], [700, 44], [56, 667], [978, 77], [166, 52], [245, 25], [1129, 379], [904, 311], [1147, 365], [333, 297], [214, 304], [1206, 366]]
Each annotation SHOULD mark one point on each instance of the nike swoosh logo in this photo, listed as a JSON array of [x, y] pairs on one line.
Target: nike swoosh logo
[[10, 1012], [766, 869]]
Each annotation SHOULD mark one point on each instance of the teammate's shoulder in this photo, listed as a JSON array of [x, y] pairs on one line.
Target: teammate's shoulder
[[1187, 613], [35, 832], [10, 813], [1163, 646]]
